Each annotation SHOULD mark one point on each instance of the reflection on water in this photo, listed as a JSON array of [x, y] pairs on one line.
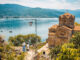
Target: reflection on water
[[12, 27]]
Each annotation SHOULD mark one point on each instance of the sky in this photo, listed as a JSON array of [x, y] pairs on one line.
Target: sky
[[50, 4]]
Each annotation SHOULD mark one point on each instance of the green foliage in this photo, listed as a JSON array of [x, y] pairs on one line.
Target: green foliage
[[68, 51], [21, 57], [76, 39], [19, 39], [1, 49], [40, 45], [7, 53], [77, 24], [10, 56], [54, 51]]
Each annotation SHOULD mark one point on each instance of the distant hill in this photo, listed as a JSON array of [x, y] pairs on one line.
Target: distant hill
[[14, 10], [74, 12], [22, 11]]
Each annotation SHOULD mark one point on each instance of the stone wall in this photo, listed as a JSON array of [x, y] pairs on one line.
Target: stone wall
[[59, 34], [67, 20]]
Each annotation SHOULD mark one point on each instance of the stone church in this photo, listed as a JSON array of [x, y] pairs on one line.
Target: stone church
[[59, 34]]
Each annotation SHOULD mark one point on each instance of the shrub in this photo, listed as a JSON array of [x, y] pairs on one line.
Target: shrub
[[19, 39]]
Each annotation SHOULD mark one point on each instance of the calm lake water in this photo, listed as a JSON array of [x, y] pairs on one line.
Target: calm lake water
[[22, 26]]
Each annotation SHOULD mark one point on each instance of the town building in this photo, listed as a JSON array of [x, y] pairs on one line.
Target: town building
[[59, 34]]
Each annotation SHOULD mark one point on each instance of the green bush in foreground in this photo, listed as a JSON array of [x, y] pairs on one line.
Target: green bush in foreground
[[10, 54], [76, 39], [68, 51]]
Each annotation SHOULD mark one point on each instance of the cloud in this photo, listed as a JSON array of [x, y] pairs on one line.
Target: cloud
[[52, 4]]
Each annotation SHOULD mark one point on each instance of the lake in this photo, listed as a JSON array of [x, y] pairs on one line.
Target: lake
[[22, 26]]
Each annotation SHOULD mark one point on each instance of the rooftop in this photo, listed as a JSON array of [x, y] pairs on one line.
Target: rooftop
[[66, 27], [53, 27], [67, 15]]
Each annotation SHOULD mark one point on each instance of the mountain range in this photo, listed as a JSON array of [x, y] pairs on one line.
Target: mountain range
[[15, 10]]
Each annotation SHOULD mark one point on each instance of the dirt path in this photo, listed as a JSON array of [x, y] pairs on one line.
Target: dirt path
[[29, 55], [44, 48]]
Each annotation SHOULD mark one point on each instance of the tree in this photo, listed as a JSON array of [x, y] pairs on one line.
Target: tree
[[54, 51], [19, 39], [68, 52], [77, 24], [76, 39]]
